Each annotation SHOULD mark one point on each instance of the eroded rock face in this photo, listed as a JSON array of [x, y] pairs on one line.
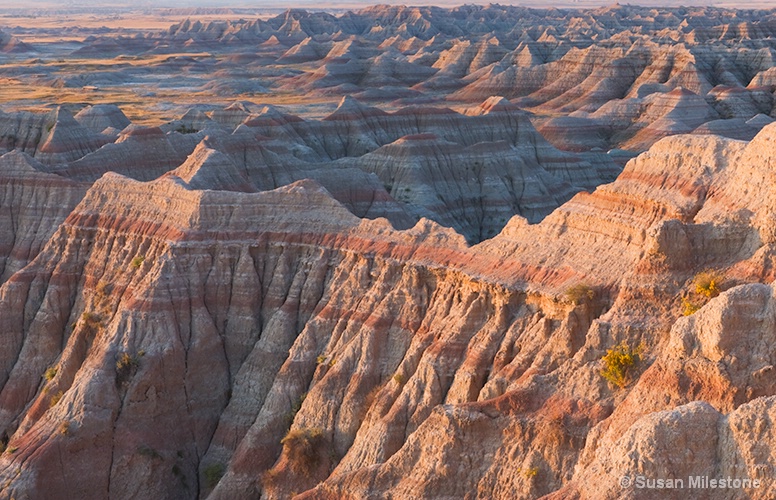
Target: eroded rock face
[[470, 171], [403, 303], [596, 78], [34, 203], [167, 337]]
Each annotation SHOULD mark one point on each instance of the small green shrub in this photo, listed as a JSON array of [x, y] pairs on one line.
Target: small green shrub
[[321, 359], [12, 449], [619, 364], [529, 472], [295, 408], [90, 318], [138, 261], [301, 447], [64, 428], [183, 129], [579, 293], [707, 283], [689, 307], [126, 365], [55, 399], [149, 452], [213, 474], [399, 378], [50, 373]]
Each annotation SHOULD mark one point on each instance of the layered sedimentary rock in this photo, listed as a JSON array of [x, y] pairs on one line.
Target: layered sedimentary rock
[[11, 44], [65, 139], [470, 171], [34, 203], [556, 62], [143, 153], [413, 303], [99, 117], [183, 331]]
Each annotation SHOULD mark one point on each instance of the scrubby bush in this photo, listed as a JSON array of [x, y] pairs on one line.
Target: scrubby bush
[[580, 293], [530, 472], [138, 261], [295, 408], [707, 283], [55, 399], [302, 448], [90, 318], [126, 365], [704, 286], [50, 373], [689, 307], [269, 479], [213, 474], [149, 452], [619, 364], [183, 129]]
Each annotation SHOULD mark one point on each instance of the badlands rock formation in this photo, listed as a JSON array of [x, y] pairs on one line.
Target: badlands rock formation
[[170, 333], [613, 77], [417, 300], [470, 171]]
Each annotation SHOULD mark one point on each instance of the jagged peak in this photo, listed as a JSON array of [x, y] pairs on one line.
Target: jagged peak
[[271, 42], [59, 111], [101, 110], [19, 162], [681, 92], [765, 136], [432, 233], [169, 207], [208, 168], [60, 115], [135, 131], [100, 116], [243, 106], [194, 114], [350, 108], [492, 104], [759, 120]]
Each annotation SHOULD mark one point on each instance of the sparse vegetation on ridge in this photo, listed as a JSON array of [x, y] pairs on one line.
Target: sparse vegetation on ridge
[[295, 408], [183, 129], [579, 293], [705, 286], [213, 474], [707, 283], [302, 448], [126, 365], [620, 364], [55, 399]]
